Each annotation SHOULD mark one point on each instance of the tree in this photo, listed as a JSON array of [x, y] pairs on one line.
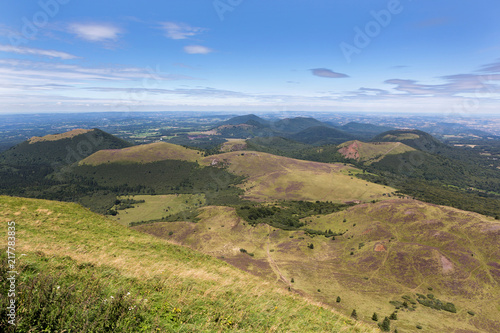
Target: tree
[[292, 280], [311, 246], [375, 317], [393, 316], [354, 314], [386, 325], [338, 299]]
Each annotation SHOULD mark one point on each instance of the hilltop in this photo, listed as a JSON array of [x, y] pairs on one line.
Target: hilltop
[[60, 149], [389, 252], [365, 131], [414, 138], [271, 177], [321, 135], [148, 153], [370, 152], [86, 266]]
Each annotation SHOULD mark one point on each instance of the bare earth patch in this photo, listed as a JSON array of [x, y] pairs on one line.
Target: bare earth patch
[[446, 264]]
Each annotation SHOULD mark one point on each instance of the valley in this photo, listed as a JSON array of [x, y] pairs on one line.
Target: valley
[[357, 218]]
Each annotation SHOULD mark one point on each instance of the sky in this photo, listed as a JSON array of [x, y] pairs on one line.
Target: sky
[[398, 56]]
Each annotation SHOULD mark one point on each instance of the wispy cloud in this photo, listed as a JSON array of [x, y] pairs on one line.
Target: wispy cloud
[[491, 68], [43, 73], [328, 73], [197, 49], [96, 32], [27, 50], [180, 30]]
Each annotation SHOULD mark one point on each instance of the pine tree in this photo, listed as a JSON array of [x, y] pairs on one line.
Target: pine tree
[[375, 317], [386, 325], [354, 314]]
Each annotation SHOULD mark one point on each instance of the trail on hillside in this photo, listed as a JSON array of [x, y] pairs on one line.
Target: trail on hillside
[[271, 261]]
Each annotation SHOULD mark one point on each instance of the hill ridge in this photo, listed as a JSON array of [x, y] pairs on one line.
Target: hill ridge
[[151, 152]]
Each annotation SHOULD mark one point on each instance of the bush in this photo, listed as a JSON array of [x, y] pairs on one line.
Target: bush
[[338, 299], [354, 314], [375, 317], [393, 316], [385, 326]]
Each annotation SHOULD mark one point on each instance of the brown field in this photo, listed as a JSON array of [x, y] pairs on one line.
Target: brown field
[[399, 247], [152, 152], [271, 177], [55, 137]]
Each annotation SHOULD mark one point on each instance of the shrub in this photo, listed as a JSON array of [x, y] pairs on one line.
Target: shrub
[[338, 299], [375, 317], [385, 326], [393, 316], [354, 314]]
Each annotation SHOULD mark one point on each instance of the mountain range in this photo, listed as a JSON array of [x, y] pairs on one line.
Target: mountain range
[[358, 217]]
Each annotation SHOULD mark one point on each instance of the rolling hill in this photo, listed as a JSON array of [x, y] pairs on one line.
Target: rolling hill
[[60, 149], [395, 255], [414, 138], [82, 272], [365, 131], [320, 135], [295, 125], [148, 153], [245, 119], [271, 177], [371, 152]]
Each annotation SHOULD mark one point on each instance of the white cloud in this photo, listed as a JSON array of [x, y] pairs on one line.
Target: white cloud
[[95, 32], [180, 30], [27, 50], [197, 49]]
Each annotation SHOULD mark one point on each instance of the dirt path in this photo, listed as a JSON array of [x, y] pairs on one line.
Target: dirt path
[[271, 261]]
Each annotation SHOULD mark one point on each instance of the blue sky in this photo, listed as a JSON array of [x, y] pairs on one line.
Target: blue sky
[[250, 55]]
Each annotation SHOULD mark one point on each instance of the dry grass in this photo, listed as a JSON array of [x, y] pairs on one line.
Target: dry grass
[[214, 297], [55, 137], [272, 177], [152, 152], [403, 243]]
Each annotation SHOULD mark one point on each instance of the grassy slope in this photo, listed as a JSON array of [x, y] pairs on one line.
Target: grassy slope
[[157, 206], [272, 177], [59, 238], [152, 152], [370, 152], [55, 137], [233, 145], [408, 246]]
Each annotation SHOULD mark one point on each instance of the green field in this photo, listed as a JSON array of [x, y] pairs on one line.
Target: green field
[[156, 207], [79, 271]]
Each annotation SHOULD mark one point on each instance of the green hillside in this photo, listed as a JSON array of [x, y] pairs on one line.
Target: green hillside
[[389, 253], [362, 130], [321, 135], [60, 149], [81, 272], [414, 138]]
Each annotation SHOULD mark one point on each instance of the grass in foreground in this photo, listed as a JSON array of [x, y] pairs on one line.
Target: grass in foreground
[[88, 269]]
